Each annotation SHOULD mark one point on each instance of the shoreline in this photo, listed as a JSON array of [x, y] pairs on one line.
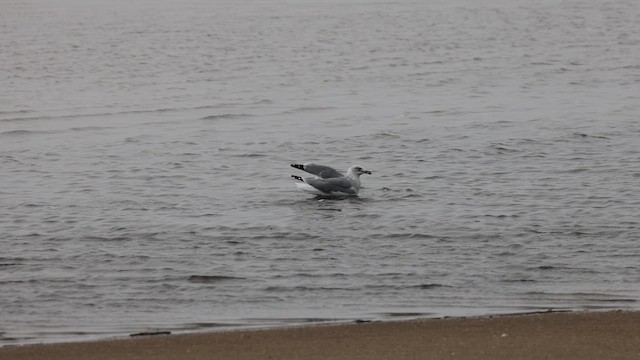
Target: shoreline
[[566, 335], [304, 322]]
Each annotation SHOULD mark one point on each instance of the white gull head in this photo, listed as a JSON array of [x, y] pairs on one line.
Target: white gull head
[[356, 171], [353, 174]]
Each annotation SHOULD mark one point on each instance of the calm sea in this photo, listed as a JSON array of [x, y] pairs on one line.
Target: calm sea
[[145, 149]]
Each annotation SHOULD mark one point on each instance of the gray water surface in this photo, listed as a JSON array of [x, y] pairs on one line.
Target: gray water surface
[[145, 150]]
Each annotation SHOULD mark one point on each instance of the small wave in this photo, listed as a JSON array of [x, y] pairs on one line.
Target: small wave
[[583, 296], [394, 286], [8, 264], [394, 194], [151, 333], [225, 116], [403, 236], [428, 286], [385, 135], [305, 288], [315, 275], [501, 149], [546, 267], [583, 136], [103, 114], [39, 281], [8, 159], [17, 133], [501, 216], [250, 155], [518, 280], [89, 128], [207, 279], [16, 112], [136, 139], [204, 325], [436, 112], [406, 314], [107, 239], [573, 171], [292, 320], [307, 109], [51, 117]]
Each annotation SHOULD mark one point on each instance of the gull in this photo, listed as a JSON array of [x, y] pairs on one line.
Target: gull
[[329, 181]]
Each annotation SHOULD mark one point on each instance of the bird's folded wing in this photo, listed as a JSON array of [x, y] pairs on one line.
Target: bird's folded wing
[[332, 185], [323, 171]]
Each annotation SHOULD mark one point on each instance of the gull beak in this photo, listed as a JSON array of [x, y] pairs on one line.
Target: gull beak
[[366, 172]]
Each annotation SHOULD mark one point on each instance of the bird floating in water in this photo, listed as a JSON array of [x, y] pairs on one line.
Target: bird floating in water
[[329, 181]]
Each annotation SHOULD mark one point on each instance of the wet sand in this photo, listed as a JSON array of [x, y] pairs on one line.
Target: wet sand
[[579, 335]]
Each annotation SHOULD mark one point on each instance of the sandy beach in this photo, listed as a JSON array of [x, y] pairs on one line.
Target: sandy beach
[[579, 335]]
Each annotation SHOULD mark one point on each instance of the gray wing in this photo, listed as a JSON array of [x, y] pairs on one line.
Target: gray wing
[[332, 185], [324, 172]]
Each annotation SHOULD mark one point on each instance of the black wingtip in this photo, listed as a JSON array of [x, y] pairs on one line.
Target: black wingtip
[[298, 166], [297, 177]]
